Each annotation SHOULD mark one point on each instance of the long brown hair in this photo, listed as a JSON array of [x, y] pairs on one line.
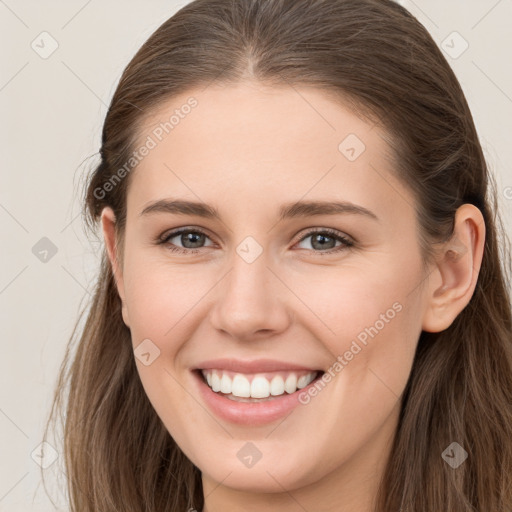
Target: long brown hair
[[377, 56]]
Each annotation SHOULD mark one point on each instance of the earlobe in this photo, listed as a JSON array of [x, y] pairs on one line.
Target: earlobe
[[457, 267], [108, 224]]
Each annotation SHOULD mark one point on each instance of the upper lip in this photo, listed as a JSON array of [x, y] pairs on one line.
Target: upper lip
[[253, 366]]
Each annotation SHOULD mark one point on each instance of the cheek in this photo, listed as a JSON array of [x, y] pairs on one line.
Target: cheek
[[159, 295], [359, 301], [369, 319], [160, 300]]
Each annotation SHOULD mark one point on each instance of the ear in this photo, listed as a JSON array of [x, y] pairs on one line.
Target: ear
[[108, 224], [453, 280]]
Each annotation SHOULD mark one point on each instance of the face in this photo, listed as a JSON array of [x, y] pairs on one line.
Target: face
[[272, 291]]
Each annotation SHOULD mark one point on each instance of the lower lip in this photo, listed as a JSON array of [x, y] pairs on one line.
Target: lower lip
[[250, 413]]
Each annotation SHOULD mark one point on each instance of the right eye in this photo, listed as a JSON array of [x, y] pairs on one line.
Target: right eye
[[184, 236]]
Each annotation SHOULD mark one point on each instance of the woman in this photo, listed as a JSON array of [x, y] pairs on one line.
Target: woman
[[301, 304]]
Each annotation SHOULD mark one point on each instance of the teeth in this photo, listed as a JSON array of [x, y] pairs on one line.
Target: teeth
[[240, 387], [225, 384], [215, 382], [290, 384], [277, 386], [302, 382], [257, 386], [260, 387]]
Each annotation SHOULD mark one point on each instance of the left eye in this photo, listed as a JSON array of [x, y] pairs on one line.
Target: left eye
[[192, 240], [323, 240]]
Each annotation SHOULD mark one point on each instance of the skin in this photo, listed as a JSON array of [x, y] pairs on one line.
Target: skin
[[246, 150]]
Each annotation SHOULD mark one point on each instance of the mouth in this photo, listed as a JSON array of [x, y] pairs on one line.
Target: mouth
[[257, 387], [253, 399]]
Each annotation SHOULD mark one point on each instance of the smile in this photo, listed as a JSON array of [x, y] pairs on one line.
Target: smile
[[246, 387], [253, 399]]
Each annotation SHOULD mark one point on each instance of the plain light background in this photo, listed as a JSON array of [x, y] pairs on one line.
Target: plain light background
[[52, 110]]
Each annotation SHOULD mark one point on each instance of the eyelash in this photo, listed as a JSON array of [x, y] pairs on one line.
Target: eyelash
[[346, 242]]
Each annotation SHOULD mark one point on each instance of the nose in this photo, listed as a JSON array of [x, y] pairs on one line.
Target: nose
[[249, 301]]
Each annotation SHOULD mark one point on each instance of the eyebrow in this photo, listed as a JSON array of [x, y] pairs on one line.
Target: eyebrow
[[287, 211]]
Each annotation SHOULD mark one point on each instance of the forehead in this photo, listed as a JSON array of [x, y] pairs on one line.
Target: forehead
[[262, 142], [251, 116]]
